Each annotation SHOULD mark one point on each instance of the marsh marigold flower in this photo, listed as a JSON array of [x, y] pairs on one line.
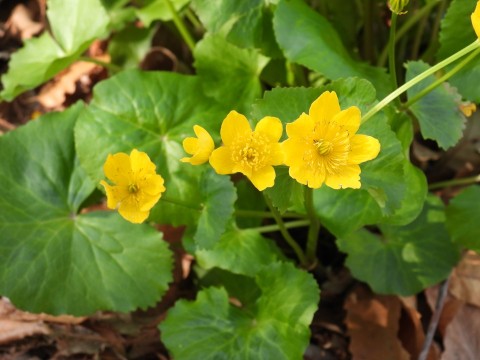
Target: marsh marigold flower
[[252, 153], [322, 147], [137, 187], [200, 147], [476, 19]]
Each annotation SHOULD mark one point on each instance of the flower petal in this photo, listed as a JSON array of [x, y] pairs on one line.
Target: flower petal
[[153, 185], [147, 201], [325, 107], [233, 126], [349, 119], [363, 148], [117, 168], [315, 178], [299, 172], [476, 19], [271, 127], [301, 128], [141, 164], [348, 177], [190, 145], [130, 210], [115, 194], [221, 160], [276, 154], [263, 178]]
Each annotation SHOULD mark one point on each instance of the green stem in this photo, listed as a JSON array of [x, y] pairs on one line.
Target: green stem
[[442, 79], [266, 214], [276, 227], [283, 230], [419, 78], [455, 182], [382, 60], [182, 29], [417, 39], [433, 43], [112, 67], [312, 240], [193, 19], [391, 53]]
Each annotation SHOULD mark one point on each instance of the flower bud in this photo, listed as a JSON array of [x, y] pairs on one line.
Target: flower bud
[[397, 6]]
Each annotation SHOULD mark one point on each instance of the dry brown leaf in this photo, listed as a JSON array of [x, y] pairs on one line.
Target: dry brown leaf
[[53, 94], [462, 339], [411, 332], [465, 282], [13, 330], [21, 24], [373, 324], [9, 312]]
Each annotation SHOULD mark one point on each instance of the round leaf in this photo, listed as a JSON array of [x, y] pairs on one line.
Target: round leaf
[[403, 260], [55, 260], [153, 112], [239, 251], [463, 218], [276, 327]]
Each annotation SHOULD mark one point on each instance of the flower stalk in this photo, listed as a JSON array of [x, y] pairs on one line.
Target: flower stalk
[[182, 29], [442, 79], [389, 98], [286, 235], [314, 229]]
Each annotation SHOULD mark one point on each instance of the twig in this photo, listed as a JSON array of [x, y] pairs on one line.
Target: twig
[[432, 327]]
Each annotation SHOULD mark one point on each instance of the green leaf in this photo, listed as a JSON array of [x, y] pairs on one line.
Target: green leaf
[[158, 10], [287, 193], [248, 199], [275, 328], [218, 198], [55, 260], [463, 218], [242, 252], [437, 112], [241, 287], [413, 199], [228, 73], [345, 211], [402, 125], [75, 24], [246, 23], [239, 22], [403, 260], [154, 112], [307, 38], [129, 46], [457, 32]]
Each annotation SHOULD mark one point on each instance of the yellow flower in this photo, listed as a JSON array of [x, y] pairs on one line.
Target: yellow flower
[[467, 108], [476, 19], [251, 153], [137, 187], [200, 147], [322, 147]]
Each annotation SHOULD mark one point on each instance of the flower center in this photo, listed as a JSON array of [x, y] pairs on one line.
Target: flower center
[[250, 155], [132, 188], [251, 152], [324, 147]]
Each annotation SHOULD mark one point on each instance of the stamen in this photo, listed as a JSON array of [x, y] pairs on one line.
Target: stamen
[[132, 188], [324, 147]]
